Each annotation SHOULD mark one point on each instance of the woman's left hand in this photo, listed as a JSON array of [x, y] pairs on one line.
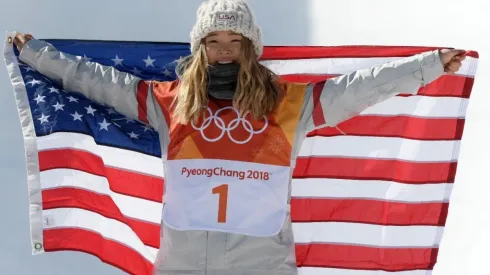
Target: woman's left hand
[[452, 59]]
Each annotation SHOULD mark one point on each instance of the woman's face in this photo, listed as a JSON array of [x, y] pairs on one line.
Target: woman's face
[[223, 47]]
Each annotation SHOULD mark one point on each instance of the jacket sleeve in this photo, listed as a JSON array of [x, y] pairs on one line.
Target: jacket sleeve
[[127, 94], [343, 97]]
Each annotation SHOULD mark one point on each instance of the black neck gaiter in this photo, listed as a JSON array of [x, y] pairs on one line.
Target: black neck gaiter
[[223, 80]]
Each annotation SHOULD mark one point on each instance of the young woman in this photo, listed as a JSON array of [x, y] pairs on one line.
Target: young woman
[[227, 191]]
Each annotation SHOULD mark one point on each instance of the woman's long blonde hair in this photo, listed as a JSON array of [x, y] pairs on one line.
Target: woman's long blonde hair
[[256, 90]]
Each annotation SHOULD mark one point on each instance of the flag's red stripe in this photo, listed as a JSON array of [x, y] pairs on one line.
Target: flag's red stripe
[[375, 169], [120, 181], [307, 78], [447, 85], [103, 205], [303, 52], [318, 116], [365, 258], [368, 211], [108, 251], [399, 126], [141, 97]]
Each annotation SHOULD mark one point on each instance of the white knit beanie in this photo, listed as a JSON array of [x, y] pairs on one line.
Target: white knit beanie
[[226, 15]]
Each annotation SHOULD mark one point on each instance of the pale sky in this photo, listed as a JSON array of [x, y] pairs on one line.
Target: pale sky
[[283, 22]]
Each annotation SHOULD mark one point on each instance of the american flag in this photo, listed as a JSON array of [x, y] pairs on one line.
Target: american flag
[[369, 197]]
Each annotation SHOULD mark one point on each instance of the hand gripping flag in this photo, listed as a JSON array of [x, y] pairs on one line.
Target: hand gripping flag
[[368, 197]]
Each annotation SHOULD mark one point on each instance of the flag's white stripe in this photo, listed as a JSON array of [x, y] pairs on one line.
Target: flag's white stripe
[[114, 157], [371, 189], [129, 206], [335, 271], [154, 252], [368, 234], [108, 228], [381, 148], [420, 106], [345, 65]]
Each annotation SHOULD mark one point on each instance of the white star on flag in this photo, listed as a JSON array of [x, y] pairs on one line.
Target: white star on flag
[[43, 118], [58, 106], [90, 110], [72, 99], [53, 90], [146, 127], [76, 116], [135, 71], [180, 59], [133, 135], [149, 62], [117, 61], [39, 99], [167, 73], [103, 125], [34, 82]]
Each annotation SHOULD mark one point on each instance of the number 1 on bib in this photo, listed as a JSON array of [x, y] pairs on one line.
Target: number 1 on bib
[[222, 192]]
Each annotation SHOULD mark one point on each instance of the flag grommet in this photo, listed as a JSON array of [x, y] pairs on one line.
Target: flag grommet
[[38, 246], [10, 40]]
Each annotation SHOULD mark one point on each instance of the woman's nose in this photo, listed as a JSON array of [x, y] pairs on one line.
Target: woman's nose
[[224, 51]]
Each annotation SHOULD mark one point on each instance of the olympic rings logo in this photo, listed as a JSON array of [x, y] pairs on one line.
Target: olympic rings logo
[[219, 122]]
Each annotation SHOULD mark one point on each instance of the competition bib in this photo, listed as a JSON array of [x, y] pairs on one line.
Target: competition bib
[[228, 196]]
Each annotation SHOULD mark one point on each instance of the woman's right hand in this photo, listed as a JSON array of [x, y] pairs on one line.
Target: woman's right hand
[[20, 39]]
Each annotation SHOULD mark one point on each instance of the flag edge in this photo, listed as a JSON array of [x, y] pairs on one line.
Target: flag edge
[[30, 145]]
